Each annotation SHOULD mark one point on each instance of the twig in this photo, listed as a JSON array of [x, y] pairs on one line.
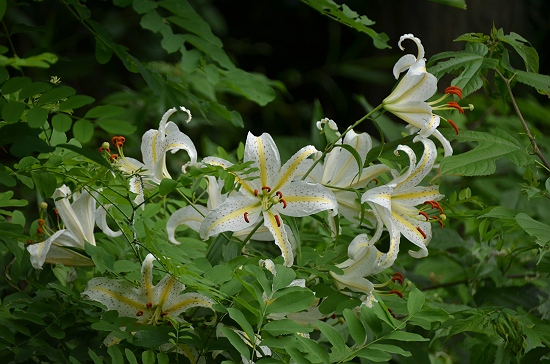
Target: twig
[[527, 131]]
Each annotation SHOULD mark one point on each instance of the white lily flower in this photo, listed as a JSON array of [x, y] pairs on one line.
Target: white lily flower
[[193, 216], [271, 194], [340, 172], [79, 218], [394, 203], [408, 100], [364, 260], [154, 146], [150, 304]]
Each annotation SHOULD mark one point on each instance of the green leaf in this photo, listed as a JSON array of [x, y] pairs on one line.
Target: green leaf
[[62, 122], [461, 4], [12, 111], [115, 354], [346, 16], [314, 349], [104, 111], [95, 357], [36, 117], [291, 299], [148, 357], [167, 185], [15, 84], [404, 336], [523, 48], [236, 341], [285, 327], [334, 337], [472, 63], [390, 349], [56, 94], [103, 52], [83, 130], [356, 328], [415, 301], [536, 80], [74, 102], [374, 355], [481, 160], [46, 183], [130, 356], [284, 277], [152, 21], [34, 89], [254, 87], [93, 155], [116, 127], [240, 319], [534, 228]]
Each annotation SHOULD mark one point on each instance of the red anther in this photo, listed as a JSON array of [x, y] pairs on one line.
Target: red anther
[[279, 194], [453, 125], [278, 220], [245, 215], [113, 156], [121, 139], [397, 277], [169, 323], [391, 312], [39, 230], [114, 139], [119, 144], [283, 202], [139, 313], [394, 291], [266, 188], [455, 105], [333, 316], [56, 212], [149, 305], [375, 181], [431, 203], [424, 214], [255, 192], [421, 232], [41, 222], [164, 314], [439, 221], [454, 91]]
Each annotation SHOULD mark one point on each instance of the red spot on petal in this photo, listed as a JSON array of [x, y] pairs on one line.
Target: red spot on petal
[[149, 305]]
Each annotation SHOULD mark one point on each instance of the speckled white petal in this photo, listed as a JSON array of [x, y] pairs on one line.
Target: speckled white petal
[[186, 301], [264, 152], [403, 64], [166, 292], [229, 216], [191, 216], [416, 172], [277, 228], [177, 141], [39, 251], [78, 217], [379, 195], [304, 198], [419, 45], [416, 113], [356, 284], [147, 287], [448, 149], [120, 296], [69, 258], [409, 229], [291, 167], [149, 149]]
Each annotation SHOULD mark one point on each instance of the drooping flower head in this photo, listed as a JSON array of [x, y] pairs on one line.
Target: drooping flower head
[[154, 146], [79, 218], [267, 194], [394, 204]]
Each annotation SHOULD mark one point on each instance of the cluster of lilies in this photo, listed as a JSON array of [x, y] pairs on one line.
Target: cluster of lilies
[[269, 191]]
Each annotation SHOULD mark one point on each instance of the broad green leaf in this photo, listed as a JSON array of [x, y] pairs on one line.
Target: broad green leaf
[[284, 277], [461, 4], [254, 87], [314, 349], [15, 84], [34, 89], [116, 127], [381, 311], [116, 354], [45, 182], [167, 185], [404, 336], [152, 21], [148, 357], [523, 48], [171, 42], [534, 228], [481, 160], [356, 328], [62, 122], [240, 319], [236, 341], [343, 14], [538, 81], [5, 178], [390, 349], [130, 356], [104, 111], [95, 357], [103, 52], [74, 102], [375, 355], [285, 327], [292, 299], [415, 301], [83, 130], [216, 52], [36, 117], [93, 155], [12, 111], [339, 346], [55, 95]]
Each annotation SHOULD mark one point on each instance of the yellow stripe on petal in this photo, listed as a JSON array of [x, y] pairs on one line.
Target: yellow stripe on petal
[[276, 228], [292, 165], [119, 297], [262, 162]]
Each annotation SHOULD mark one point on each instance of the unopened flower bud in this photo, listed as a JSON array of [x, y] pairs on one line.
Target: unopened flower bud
[[43, 205], [105, 145]]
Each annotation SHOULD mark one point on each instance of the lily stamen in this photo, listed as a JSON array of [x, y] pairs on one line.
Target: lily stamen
[[454, 90], [256, 192], [421, 232], [396, 292], [424, 214], [436, 218], [139, 313], [278, 220], [149, 305], [397, 277], [266, 188], [283, 202], [245, 215]]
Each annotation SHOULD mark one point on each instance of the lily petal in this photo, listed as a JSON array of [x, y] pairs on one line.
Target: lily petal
[[229, 216], [191, 216], [304, 198], [277, 228], [40, 251]]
